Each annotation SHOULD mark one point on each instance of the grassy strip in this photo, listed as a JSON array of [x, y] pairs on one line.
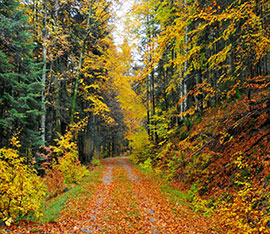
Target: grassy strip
[[188, 198], [175, 195], [52, 208]]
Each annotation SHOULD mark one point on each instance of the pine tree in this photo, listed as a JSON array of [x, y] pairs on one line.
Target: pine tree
[[19, 85]]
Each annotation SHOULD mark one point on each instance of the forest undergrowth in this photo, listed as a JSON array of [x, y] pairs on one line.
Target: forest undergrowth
[[221, 160]]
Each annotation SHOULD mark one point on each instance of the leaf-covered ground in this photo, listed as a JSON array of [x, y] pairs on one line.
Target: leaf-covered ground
[[122, 200]]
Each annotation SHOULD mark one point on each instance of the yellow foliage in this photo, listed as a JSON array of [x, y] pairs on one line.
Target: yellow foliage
[[71, 168], [21, 189], [242, 215], [134, 111], [138, 140], [67, 150]]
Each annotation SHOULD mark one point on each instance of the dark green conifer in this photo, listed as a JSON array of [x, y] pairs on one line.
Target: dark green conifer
[[19, 79]]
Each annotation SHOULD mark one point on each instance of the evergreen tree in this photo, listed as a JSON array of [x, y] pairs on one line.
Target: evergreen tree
[[19, 79]]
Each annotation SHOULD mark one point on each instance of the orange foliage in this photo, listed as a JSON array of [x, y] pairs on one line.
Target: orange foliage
[[227, 152], [55, 182]]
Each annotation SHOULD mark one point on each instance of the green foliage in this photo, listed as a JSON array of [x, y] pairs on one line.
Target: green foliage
[[176, 195], [172, 166], [160, 125], [193, 190], [187, 123], [185, 197], [95, 162], [21, 190], [19, 79], [147, 164]]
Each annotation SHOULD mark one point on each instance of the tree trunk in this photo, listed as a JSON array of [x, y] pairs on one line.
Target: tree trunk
[[185, 65], [148, 107], [155, 136], [43, 80], [77, 81]]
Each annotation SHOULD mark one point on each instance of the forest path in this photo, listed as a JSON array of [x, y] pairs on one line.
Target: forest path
[[128, 202], [124, 201]]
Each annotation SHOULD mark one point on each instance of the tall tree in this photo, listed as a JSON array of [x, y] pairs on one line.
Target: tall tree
[[20, 89]]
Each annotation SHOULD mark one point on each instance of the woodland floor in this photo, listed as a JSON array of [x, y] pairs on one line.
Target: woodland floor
[[122, 200]]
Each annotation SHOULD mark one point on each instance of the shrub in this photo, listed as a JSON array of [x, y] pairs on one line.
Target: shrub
[[67, 151], [55, 182], [147, 165], [71, 168], [21, 189], [95, 162], [52, 175]]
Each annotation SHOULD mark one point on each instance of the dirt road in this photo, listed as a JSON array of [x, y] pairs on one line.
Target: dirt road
[[125, 201]]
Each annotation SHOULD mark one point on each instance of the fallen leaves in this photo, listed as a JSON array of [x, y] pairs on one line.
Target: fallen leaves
[[125, 201]]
